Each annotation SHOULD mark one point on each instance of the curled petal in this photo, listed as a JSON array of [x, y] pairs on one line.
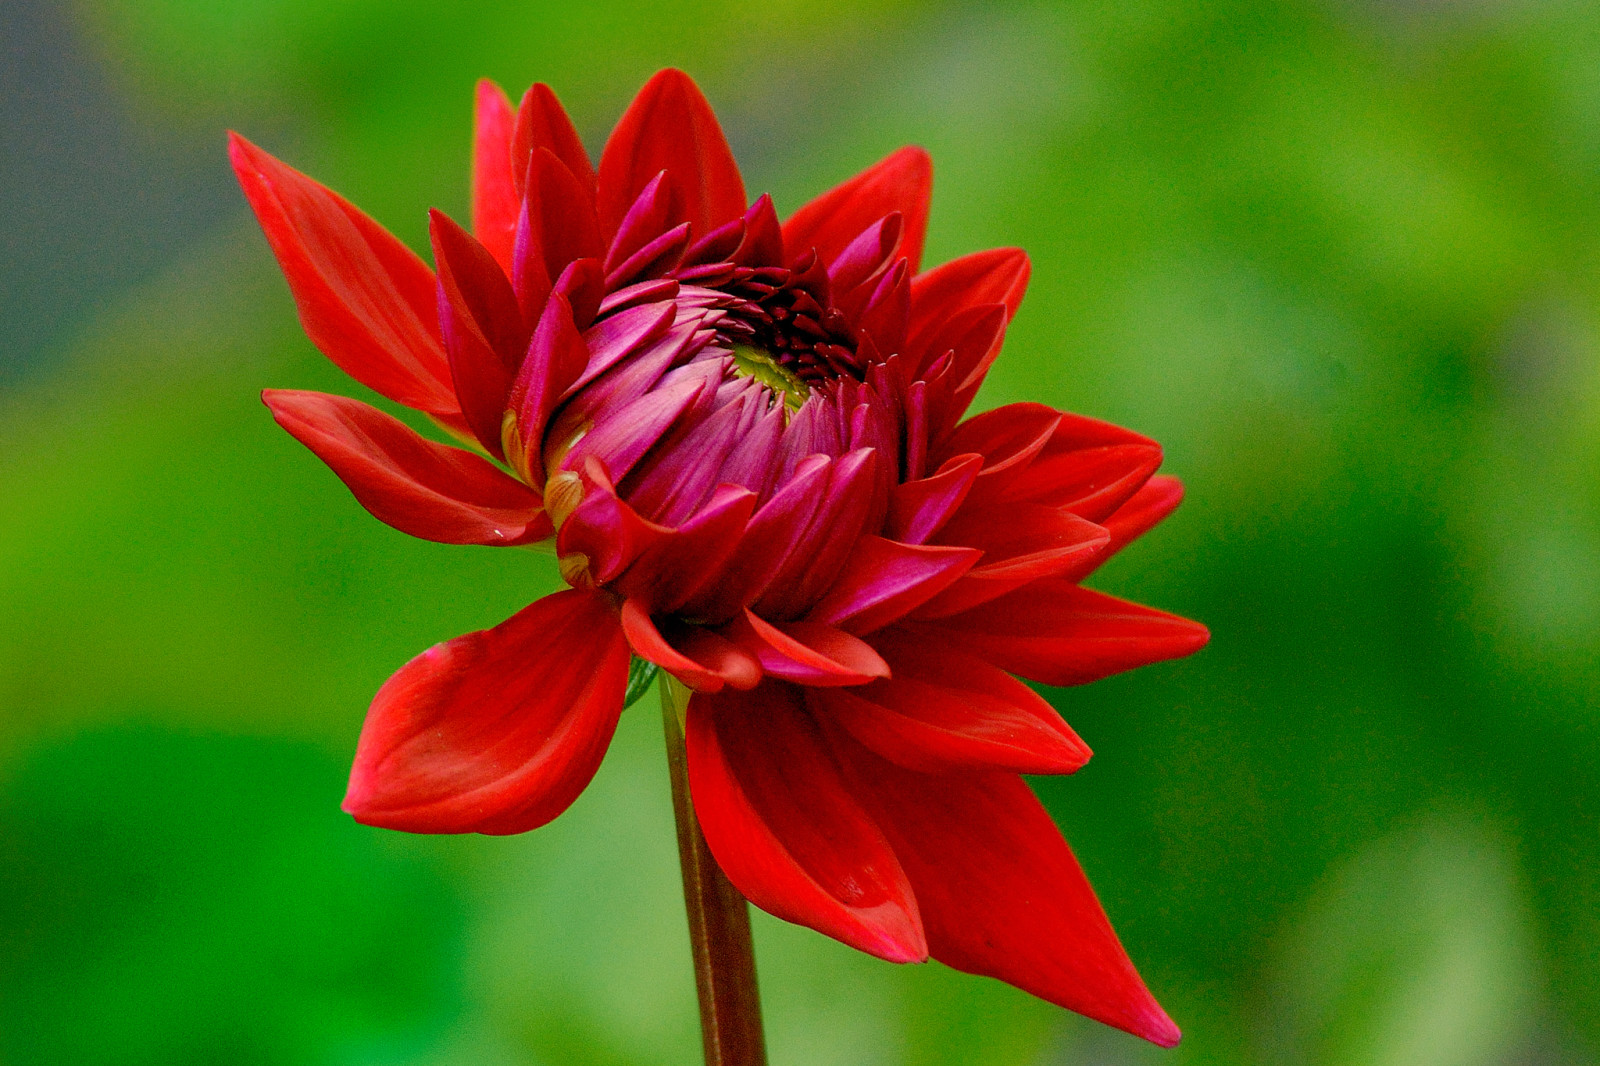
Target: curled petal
[[814, 557], [497, 731], [902, 181], [787, 831], [1001, 894], [425, 489], [809, 653], [670, 127], [494, 190], [1059, 633], [364, 298], [704, 660], [942, 709], [768, 540]]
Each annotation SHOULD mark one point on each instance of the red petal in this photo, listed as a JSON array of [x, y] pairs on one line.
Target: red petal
[[365, 299], [1009, 438], [670, 127], [942, 709], [556, 226], [494, 190], [782, 825], [1001, 893], [700, 658], [425, 489], [483, 328], [1021, 542], [543, 123], [1158, 498], [996, 276], [884, 580], [903, 182], [1058, 633], [809, 653], [1089, 467], [497, 731]]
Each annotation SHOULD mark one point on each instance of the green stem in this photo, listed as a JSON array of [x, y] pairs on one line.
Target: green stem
[[719, 918]]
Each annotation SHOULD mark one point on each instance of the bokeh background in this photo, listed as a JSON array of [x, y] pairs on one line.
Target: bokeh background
[[1341, 256]]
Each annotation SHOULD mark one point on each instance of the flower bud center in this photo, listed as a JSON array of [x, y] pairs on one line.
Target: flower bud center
[[752, 362]]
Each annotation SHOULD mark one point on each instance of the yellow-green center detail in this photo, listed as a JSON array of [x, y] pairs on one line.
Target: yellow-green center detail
[[758, 364]]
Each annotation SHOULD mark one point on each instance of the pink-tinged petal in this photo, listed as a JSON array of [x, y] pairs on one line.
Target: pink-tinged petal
[[494, 191], [671, 486], [770, 537], [884, 580], [702, 659], [654, 259], [543, 123], [808, 653], [670, 127], [1089, 467], [1058, 633], [903, 182], [866, 255], [364, 298], [621, 436], [942, 709], [917, 509], [496, 731], [425, 489], [850, 507], [785, 828], [670, 570], [483, 328], [612, 339], [556, 356], [996, 276], [555, 227], [1000, 892]]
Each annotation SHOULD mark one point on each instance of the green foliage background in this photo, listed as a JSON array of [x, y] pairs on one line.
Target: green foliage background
[[1340, 257]]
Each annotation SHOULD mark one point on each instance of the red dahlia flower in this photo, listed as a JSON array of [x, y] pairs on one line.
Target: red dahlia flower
[[746, 440]]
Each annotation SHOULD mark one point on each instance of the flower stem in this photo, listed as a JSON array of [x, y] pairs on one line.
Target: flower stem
[[719, 918]]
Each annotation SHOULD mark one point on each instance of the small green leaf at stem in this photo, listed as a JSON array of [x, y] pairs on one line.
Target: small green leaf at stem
[[641, 674]]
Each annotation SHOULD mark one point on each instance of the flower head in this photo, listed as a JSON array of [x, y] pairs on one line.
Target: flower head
[[747, 440]]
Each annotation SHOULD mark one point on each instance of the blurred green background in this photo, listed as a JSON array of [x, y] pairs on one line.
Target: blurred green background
[[1342, 258]]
